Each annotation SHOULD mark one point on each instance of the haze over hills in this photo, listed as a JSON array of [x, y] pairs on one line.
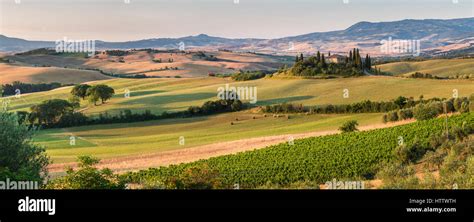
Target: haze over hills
[[435, 35]]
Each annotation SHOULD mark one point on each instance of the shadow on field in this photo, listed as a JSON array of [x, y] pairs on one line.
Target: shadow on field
[[284, 100], [165, 99], [121, 126], [139, 93]]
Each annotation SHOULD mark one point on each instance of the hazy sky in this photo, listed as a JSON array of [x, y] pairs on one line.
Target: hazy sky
[[115, 20]]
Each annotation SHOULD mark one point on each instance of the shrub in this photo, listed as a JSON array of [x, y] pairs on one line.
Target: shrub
[[464, 107], [425, 112], [198, 177], [397, 176], [405, 114], [410, 153], [349, 126], [87, 177], [393, 116]]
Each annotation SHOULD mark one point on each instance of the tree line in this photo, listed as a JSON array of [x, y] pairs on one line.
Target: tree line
[[247, 75], [59, 113], [431, 109], [20, 87], [366, 106]]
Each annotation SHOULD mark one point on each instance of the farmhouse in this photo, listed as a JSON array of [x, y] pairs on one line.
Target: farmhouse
[[336, 58]]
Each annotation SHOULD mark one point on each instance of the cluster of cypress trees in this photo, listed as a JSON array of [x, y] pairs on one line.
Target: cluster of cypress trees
[[317, 64]]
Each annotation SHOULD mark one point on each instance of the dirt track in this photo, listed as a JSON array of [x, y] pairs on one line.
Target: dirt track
[[138, 162]]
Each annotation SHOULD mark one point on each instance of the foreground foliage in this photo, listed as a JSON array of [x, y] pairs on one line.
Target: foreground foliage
[[20, 159], [87, 177]]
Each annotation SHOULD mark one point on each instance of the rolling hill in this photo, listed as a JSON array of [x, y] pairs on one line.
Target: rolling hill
[[158, 64], [437, 35], [437, 67], [29, 74], [173, 94]]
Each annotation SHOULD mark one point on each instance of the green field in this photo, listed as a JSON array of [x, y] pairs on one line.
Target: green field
[[165, 94], [170, 94], [318, 159], [437, 67], [114, 140]]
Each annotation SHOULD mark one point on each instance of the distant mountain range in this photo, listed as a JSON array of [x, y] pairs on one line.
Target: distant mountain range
[[435, 35]]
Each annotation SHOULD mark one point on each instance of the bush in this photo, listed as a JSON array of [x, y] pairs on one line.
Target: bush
[[393, 116], [397, 176], [410, 153], [425, 112], [87, 177], [464, 107], [349, 126], [198, 177], [405, 114]]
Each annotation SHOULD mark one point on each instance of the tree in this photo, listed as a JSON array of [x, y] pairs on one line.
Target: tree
[[349, 126], [80, 90], [368, 62], [357, 58], [75, 101], [20, 159], [50, 111], [323, 61], [102, 92], [401, 101], [87, 177]]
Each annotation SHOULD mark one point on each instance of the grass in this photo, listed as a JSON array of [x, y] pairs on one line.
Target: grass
[[114, 140], [170, 95], [437, 67]]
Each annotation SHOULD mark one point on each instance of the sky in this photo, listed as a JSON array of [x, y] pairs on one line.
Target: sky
[[119, 20]]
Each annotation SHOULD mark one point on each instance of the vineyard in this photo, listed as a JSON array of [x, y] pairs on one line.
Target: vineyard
[[318, 159]]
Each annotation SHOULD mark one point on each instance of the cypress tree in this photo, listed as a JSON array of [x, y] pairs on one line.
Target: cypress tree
[[366, 62], [354, 55], [323, 61], [369, 66], [318, 57], [358, 59]]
